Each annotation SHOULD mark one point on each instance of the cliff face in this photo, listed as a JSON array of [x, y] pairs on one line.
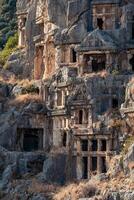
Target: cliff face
[[66, 22], [74, 120]]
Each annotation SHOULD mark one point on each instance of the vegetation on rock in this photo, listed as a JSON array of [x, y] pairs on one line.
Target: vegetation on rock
[[8, 22], [9, 48]]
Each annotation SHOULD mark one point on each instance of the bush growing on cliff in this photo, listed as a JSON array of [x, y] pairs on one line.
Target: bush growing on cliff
[[30, 89], [9, 48], [8, 22]]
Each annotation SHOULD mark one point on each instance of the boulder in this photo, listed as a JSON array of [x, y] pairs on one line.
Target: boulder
[[7, 175], [54, 169]]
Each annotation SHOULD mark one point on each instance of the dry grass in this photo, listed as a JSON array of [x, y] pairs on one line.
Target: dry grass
[[116, 123], [37, 187], [25, 82], [76, 191], [9, 78], [24, 99], [128, 142]]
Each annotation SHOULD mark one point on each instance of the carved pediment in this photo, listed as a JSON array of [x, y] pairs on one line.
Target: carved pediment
[[99, 38], [78, 95], [94, 42]]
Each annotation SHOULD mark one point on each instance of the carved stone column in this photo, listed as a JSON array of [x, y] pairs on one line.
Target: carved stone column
[[99, 165]]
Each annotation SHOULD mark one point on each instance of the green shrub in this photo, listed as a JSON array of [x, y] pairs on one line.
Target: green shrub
[[8, 20], [12, 42], [115, 72], [4, 55], [9, 48], [30, 89]]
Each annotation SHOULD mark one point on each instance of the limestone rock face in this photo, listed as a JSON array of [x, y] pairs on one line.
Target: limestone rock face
[[81, 54], [54, 169], [23, 5], [57, 12], [16, 63], [128, 106], [7, 175], [129, 160]]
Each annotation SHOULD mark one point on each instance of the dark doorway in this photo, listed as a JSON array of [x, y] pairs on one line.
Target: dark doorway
[[73, 56], [100, 23], [64, 140], [131, 61], [84, 145], [94, 65], [98, 63], [80, 116], [114, 103], [104, 167], [29, 139], [94, 145], [30, 142], [85, 167], [24, 21], [104, 105], [94, 164], [103, 145], [59, 98]]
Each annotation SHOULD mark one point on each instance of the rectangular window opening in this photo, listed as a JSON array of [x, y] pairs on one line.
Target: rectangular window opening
[[94, 164], [85, 167], [103, 145], [84, 145], [29, 139], [94, 145]]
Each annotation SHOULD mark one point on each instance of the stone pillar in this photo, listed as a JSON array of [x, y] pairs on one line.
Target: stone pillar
[[79, 168], [44, 136], [22, 31], [99, 165], [63, 97], [56, 132], [58, 55], [108, 64], [56, 98], [99, 144], [89, 166], [89, 145], [81, 61], [79, 161], [129, 56], [90, 121], [20, 39], [108, 145]]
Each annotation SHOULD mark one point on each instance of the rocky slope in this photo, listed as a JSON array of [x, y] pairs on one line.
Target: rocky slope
[[117, 184], [35, 176]]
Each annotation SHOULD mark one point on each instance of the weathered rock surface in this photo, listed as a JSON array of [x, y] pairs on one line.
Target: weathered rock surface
[[17, 64], [54, 169], [128, 161]]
